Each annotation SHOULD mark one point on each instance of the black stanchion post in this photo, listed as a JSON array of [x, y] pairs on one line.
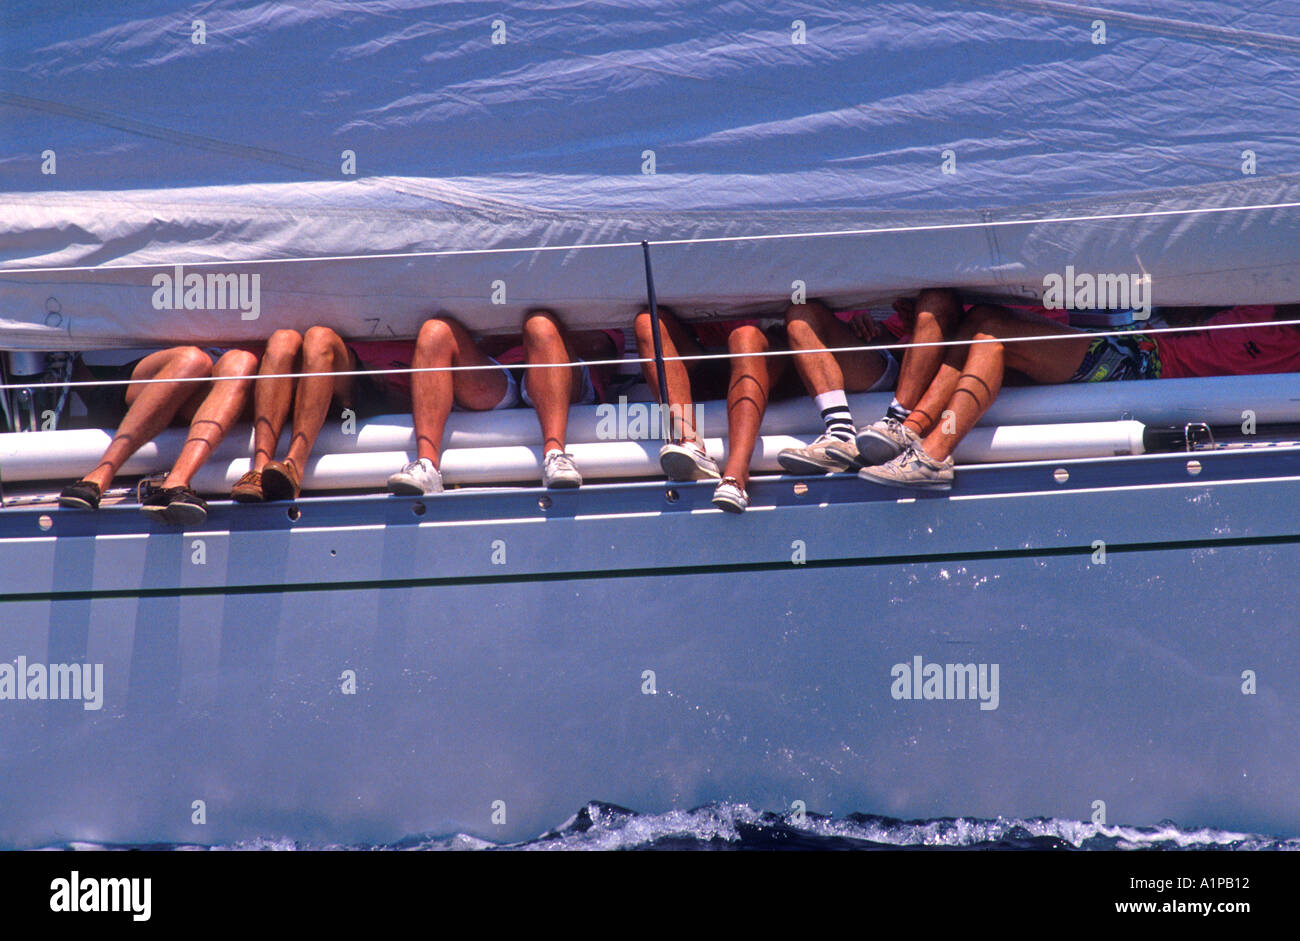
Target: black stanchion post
[[664, 410]]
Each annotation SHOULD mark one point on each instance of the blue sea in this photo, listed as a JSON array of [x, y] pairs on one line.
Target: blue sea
[[738, 827]]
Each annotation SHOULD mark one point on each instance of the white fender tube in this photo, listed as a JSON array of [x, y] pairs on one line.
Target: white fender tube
[[613, 459], [378, 450]]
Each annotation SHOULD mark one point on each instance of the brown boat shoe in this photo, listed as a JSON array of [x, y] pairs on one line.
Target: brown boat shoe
[[248, 489], [281, 481]]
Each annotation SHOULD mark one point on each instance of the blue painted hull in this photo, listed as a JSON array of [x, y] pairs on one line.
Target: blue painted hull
[[501, 649]]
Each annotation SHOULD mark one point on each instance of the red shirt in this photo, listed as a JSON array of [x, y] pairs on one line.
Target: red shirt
[[1245, 352], [387, 354], [715, 334]]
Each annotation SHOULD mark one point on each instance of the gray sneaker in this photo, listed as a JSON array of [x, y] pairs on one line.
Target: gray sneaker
[[687, 462], [417, 479], [884, 440], [914, 470], [826, 455], [560, 472]]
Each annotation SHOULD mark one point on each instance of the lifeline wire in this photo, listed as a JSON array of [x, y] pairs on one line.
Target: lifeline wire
[[637, 360]]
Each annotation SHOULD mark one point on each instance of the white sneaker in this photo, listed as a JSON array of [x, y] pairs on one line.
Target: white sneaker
[[560, 471], [687, 462], [730, 496], [417, 479]]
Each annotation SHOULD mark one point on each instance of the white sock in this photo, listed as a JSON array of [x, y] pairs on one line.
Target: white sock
[[897, 411], [831, 399], [834, 406]]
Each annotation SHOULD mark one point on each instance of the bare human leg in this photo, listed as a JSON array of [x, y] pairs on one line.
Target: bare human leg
[[443, 342], [220, 409]]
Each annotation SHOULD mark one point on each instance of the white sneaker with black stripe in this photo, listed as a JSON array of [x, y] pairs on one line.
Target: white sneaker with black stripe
[[730, 496]]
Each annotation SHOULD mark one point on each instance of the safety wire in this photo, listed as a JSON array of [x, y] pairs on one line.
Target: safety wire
[[699, 357]]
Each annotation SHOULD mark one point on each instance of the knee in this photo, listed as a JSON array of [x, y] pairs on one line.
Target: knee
[[540, 326], [193, 361], [236, 363], [643, 325], [940, 304], [747, 339], [435, 334], [319, 343], [987, 337], [801, 322], [284, 343], [318, 338]]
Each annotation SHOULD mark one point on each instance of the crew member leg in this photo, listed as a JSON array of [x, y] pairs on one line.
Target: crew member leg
[[152, 407], [220, 409]]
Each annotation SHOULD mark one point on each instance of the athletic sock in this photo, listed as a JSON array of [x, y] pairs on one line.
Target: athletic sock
[[834, 407], [897, 412]]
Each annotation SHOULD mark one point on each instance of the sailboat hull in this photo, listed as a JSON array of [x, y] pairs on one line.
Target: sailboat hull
[[486, 661]]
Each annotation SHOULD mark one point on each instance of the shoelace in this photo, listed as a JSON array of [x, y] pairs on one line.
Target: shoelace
[[907, 458]]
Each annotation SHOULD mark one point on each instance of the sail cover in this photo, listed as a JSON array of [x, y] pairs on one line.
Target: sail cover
[[372, 163]]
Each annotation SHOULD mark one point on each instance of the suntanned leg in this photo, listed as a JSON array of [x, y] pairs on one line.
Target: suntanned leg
[[323, 351], [927, 375], [829, 375], [221, 408], [813, 328], [675, 341], [928, 410], [444, 342], [977, 386], [936, 313], [273, 397], [752, 378], [551, 389], [152, 407], [980, 378]]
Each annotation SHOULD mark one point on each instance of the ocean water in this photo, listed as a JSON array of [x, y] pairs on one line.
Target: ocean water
[[738, 827]]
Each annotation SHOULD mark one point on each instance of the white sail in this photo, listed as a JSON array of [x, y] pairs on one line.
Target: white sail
[[505, 159]]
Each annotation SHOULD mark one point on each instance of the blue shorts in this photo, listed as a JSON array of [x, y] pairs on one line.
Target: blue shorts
[[889, 378]]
